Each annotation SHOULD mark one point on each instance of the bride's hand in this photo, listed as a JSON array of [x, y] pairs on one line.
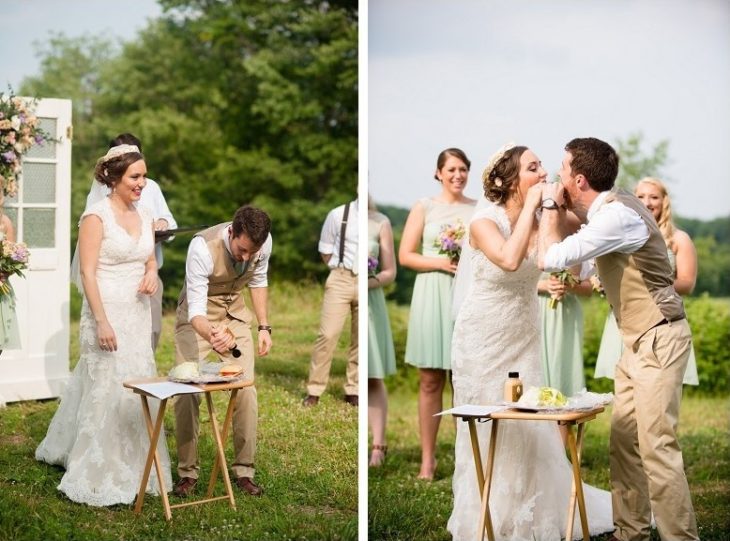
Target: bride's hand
[[148, 285], [106, 336], [533, 201]]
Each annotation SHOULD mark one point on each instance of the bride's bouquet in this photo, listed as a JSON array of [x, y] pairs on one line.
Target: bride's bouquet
[[13, 259], [449, 240]]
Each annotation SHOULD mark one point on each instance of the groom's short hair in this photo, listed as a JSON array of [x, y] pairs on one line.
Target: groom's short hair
[[252, 222], [594, 159]]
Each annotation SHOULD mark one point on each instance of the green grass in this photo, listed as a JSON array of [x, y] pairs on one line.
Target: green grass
[[306, 460], [402, 507]]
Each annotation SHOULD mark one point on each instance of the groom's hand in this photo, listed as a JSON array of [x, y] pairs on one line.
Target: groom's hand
[[220, 340], [265, 343]]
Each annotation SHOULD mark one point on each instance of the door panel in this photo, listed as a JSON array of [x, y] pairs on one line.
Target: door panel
[[41, 213]]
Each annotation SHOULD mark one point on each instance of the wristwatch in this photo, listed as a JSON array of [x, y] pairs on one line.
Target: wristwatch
[[265, 328], [550, 204]]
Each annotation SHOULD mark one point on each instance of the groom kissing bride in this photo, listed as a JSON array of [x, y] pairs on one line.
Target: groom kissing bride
[[506, 250]]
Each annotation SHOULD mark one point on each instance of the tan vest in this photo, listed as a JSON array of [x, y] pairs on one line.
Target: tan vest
[[225, 286], [639, 286]]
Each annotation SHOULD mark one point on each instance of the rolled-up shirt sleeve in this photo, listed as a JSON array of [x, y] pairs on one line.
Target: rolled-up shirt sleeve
[[329, 233], [260, 276], [198, 267], [613, 228]]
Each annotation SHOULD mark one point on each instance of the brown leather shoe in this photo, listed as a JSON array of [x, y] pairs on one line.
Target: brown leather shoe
[[185, 486], [311, 400], [246, 484], [352, 399]]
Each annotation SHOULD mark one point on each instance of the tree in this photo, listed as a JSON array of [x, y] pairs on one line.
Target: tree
[[235, 102], [635, 163]]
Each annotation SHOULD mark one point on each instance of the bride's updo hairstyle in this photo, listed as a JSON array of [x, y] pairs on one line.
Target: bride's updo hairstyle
[[501, 173], [111, 167], [445, 154]]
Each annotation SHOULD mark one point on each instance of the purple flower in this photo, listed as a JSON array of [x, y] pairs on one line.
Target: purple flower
[[9, 156], [372, 263], [39, 138]]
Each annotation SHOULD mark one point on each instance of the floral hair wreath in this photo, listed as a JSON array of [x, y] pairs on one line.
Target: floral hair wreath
[[494, 160], [115, 152]]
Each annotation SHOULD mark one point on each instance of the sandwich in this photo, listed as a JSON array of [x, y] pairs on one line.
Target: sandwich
[[230, 370]]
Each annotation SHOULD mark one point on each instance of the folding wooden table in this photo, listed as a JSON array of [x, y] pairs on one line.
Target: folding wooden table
[[219, 434], [575, 447]]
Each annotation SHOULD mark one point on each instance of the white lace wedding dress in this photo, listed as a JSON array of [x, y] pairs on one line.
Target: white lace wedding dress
[[98, 433], [497, 331]]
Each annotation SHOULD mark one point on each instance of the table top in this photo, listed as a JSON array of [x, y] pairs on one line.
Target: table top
[[513, 414], [205, 387]]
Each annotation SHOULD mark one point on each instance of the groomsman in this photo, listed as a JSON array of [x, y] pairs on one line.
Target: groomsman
[[647, 470], [338, 248], [221, 261]]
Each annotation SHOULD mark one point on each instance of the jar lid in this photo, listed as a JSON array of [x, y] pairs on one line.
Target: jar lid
[[514, 374]]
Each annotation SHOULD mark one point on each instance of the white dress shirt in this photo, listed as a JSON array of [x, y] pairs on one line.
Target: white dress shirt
[[199, 266], [151, 198], [611, 227], [329, 240]]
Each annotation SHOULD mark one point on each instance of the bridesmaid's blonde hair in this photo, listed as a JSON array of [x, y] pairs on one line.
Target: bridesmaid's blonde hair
[[666, 220]]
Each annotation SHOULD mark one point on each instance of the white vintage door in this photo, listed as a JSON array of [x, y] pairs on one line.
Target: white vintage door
[[41, 213]]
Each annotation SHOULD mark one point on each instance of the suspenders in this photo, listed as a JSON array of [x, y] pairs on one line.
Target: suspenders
[[342, 235]]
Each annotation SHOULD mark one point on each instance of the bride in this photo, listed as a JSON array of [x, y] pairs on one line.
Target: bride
[[98, 433], [497, 331]]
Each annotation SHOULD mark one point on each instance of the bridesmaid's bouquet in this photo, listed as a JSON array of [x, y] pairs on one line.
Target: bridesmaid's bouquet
[[565, 277], [13, 259], [372, 265], [449, 240]]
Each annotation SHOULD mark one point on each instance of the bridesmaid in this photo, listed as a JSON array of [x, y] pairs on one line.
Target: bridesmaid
[[562, 333], [430, 324], [683, 258], [9, 334], [381, 354]]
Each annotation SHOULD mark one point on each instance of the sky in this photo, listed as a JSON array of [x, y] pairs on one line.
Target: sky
[[476, 74], [35, 21]]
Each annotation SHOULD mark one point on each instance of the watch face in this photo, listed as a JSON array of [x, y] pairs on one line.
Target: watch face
[[549, 204]]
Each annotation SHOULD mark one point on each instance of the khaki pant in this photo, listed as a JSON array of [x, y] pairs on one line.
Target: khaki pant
[[647, 471], [156, 309], [189, 346], [340, 299]]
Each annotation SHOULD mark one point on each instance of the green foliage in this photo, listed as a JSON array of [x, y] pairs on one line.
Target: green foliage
[[635, 163], [241, 102], [713, 272], [710, 322], [719, 228], [401, 290]]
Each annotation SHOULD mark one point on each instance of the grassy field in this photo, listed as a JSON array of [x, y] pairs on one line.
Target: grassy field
[[306, 459], [402, 507]]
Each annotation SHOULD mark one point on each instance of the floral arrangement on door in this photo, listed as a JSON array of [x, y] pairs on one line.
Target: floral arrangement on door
[[19, 131]]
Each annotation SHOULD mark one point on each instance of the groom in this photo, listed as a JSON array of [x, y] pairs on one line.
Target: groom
[[221, 261], [647, 470]]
